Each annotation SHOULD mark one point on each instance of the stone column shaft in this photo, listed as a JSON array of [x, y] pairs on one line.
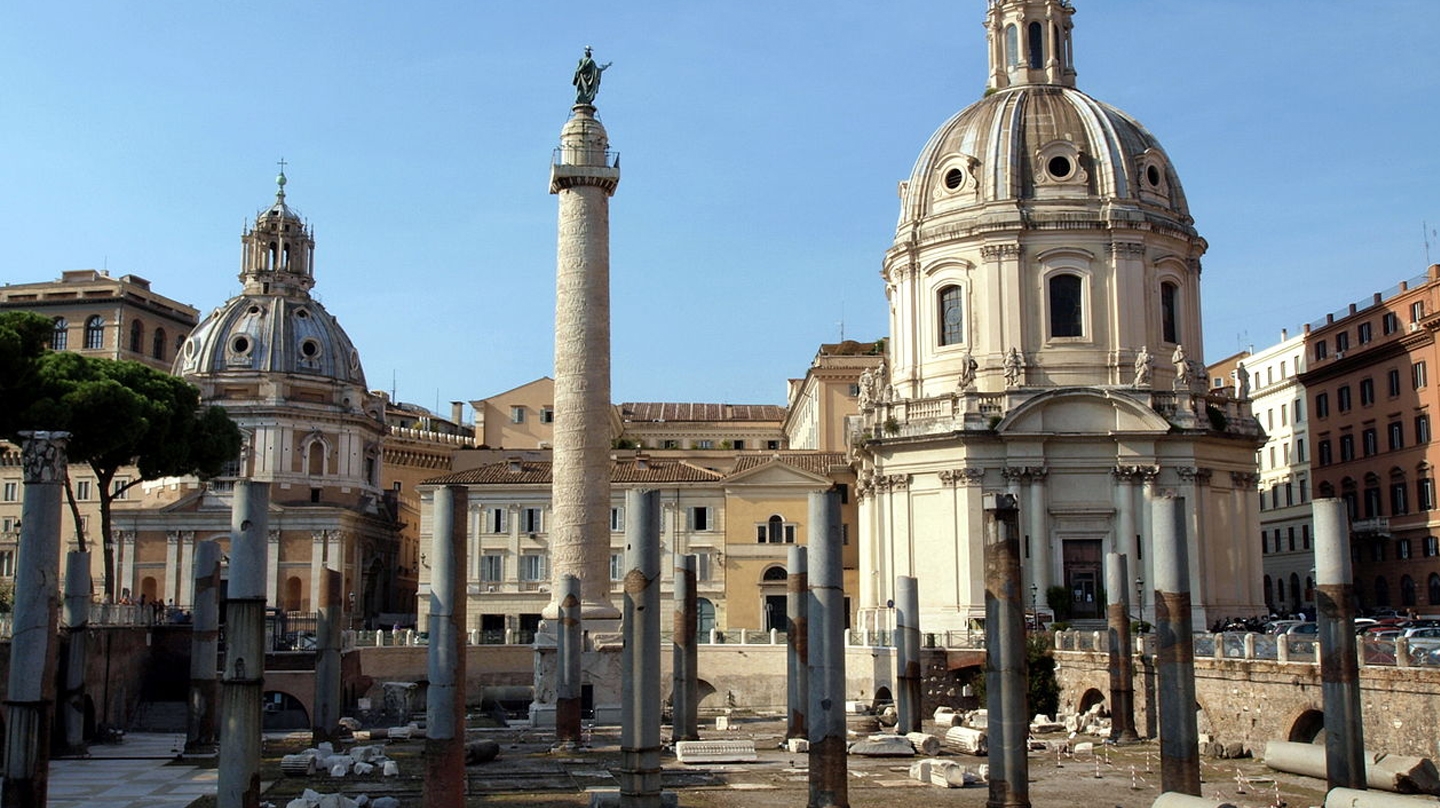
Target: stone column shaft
[[685, 688], [326, 724], [1006, 677], [907, 653], [640, 660], [797, 691], [1122, 660], [1042, 563], [826, 641], [1175, 651], [1339, 665], [200, 735], [445, 698], [77, 620], [31, 686], [243, 680], [569, 648]]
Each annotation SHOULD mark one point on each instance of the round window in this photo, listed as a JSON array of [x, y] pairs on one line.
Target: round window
[[954, 178], [240, 345], [254, 310], [301, 313], [310, 349], [189, 349], [1152, 175], [1059, 167]]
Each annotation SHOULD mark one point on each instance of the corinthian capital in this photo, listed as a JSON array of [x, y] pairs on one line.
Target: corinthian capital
[[43, 456]]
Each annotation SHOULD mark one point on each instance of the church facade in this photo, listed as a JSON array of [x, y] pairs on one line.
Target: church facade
[[1045, 336]]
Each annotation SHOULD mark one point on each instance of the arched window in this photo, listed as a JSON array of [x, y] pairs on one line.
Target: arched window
[[1295, 590], [952, 316], [1035, 42], [1407, 591], [94, 333], [1066, 312], [1382, 591], [137, 337], [704, 616], [1012, 45], [1269, 593], [293, 588], [59, 337], [1169, 313], [775, 530], [1280, 592], [1434, 587], [775, 574], [157, 344]]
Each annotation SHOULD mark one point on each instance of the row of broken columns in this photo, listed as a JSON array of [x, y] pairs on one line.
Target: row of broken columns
[[816, 667]]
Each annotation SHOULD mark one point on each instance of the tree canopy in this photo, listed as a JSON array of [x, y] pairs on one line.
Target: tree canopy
[[119, 414]]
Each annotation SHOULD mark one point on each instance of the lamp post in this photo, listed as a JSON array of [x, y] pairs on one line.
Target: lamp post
[[1140, 597], [1034, 610]]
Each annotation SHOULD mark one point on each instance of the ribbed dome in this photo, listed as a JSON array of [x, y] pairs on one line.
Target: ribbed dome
[[1052, 150], [271, 334]]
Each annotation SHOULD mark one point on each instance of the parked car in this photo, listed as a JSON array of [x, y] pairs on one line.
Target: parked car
[[1280, 626], [1300, 629]]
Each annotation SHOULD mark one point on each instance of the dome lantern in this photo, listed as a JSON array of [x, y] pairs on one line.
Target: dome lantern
[[1030, 42]]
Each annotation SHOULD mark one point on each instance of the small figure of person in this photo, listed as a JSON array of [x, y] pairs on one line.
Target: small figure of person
[[587, 78], [867, 389], [1144, 364], [1242, 381], [1014, 367], [968, 369]]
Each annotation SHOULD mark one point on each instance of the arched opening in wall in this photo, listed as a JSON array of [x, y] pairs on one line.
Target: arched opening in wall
[[883, 698], [137, 336], [158, 343], [1035, 44], [1309, 727], [1269, 594], [1280, 592], [285, 260], [959, 688], [705, 616], [1294, 591], [772, 591], [273, 256], [1012, 46], [293, 603], [1434, 587], [775, 530], [1066, 306], [1382, 591], [707, 692], [1407, 591], [60, 335], [1170, 312], [148, 589], [1089, 699], [315, 459], [283, 711]]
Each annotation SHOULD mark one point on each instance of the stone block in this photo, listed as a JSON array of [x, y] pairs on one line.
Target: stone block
[[883, 746], [924, 743], [728, 751], [967, 740], [610, 798], [797, 745]]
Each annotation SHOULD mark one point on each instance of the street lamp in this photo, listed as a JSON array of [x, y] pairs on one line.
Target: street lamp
[[1140, 594], [1034, 610]]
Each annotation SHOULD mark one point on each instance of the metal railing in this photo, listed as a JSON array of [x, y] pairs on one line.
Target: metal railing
[[1284, 648]]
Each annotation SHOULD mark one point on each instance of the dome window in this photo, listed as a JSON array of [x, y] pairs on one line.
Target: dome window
[[1152, 175], [1035, 43], [302, 314], [310, 349], [954, 179], [1059, 162], [240, 345], [253, 310], [952, 315], [1066, 306], [189, 349], [1060, 167]]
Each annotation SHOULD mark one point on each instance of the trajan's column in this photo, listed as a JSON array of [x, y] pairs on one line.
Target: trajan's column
[[584, 175]]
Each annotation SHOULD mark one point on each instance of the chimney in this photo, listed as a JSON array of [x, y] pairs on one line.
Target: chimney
[[457, 412]]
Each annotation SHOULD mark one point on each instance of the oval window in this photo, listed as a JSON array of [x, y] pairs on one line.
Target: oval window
[[310, 349], [1059, 167], [954, 178], [1152, 175], [240, 345]]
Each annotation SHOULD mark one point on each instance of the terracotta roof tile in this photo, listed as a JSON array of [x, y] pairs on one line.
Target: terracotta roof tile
[[537, 472], [814, 462], [649, 411]]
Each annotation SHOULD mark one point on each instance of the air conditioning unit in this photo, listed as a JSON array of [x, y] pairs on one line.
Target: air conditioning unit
[[490, 589], [1339, 354], [1414, 327]]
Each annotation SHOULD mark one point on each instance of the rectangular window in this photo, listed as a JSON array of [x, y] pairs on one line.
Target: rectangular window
[[1417, 311], [1432, 546], [705, 444], [1322, 405], [1290, 534], [1264, 541], [1299, 410], [1369, 444], [495, 520], [1417, 374], [772, 444], [1321, 351], [1399, 502], [1402, 549], [82, 490], [1342, 342], [547, 415], [702, 566], [700, 518], [762, 534], [7, 564], [740, 444], [1425, 493], [1275, 498], [1300, 451], [1389, 323], [853, 391], [789, 534], [532, 567], [1305, 537], [670, 444], [617, 520], [120, 488], [1422, 429], [1304, 489], [1377, 552], [1347, 448], [517, 415], [617, 566], [1342, 398], [1362, 333], [1397, 436], [1372, 502], [7, 524], [1367, 392], [1272, 457], [1289, 493], [1270, 420], [12, 491], [492, 567], [1325, 458], [1392, 382], [1284, 418], [532, 521]]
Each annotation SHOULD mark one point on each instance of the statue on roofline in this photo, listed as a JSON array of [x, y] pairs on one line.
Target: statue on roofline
[[587, 78]]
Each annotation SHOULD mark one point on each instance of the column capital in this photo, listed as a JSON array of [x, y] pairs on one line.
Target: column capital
[[1244, 479], [43, 456], [962, 477]]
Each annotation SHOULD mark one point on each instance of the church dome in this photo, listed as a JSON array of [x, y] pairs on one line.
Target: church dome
[[274, 325], [1048, 148], [271, 334]]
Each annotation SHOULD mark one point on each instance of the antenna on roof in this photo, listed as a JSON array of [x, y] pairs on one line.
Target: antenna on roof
[[393, 395], [1426, 233], [842, 321]]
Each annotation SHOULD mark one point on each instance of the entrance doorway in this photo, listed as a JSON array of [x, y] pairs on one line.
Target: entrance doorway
[[1082, 578]]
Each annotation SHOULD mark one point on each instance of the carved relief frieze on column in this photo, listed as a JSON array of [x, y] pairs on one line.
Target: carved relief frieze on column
[[998, 251], [43, 457], [962, 478], [892, 482], [1244, 479], [864, 484], [1194, 475]]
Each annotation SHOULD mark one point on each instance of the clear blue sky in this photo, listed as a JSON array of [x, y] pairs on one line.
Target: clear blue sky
[[761, 144]]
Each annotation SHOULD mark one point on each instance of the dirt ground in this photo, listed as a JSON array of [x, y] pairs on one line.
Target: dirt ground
[[528, 773]]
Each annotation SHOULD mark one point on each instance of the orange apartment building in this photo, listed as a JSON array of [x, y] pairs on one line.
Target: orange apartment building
[[1372, 403]]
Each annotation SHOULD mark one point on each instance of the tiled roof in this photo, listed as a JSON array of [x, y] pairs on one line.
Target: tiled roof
[[643, 411], [818, 463], [850, 348], [537, 472]]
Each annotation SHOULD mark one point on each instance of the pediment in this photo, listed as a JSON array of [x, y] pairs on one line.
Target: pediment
[[778, 473], [1083, 411]]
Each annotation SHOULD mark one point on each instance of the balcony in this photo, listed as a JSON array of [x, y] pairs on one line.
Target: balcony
[[1378, 525]]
